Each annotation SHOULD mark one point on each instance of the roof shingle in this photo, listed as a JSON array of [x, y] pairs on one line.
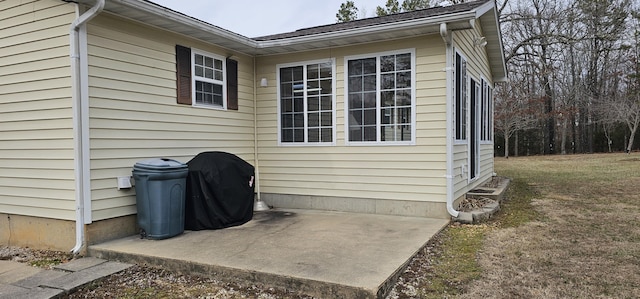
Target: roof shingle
[[405, 16]]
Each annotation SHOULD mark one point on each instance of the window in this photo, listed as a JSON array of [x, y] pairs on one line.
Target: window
[[208, 79], [306, 103], [205, 79], [486, 131], [460, 93], [380, 98]]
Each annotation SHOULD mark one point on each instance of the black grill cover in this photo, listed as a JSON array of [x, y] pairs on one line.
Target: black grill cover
[[219, 191]]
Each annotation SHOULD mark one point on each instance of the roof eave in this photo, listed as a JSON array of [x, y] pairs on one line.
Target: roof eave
[[193, 22], [238, 42], [368, 30], [489, 17]]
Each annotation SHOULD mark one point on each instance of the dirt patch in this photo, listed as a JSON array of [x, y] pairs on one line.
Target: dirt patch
[[630, 160], [45, 259], [474, 203], [146, 282], [140, 281]]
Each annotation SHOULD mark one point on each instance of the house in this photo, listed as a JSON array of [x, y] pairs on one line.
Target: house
[[389, 115]]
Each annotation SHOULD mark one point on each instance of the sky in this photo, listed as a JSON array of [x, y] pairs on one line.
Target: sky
[[253, 18]]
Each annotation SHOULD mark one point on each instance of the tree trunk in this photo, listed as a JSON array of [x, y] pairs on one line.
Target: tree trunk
[[574, 141], [607, 135], [590, 131], [563, 142], [633, 128], [546, 69], [516, 152], [625, 141], [549, 139], [506, 144]]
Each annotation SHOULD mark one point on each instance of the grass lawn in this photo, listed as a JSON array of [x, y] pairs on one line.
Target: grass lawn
[[571, 229]]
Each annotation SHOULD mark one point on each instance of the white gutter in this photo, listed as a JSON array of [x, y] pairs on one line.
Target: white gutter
[[80, 100], [446, 37]]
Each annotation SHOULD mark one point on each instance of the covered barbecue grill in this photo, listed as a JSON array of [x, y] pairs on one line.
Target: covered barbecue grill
[[219, 193]]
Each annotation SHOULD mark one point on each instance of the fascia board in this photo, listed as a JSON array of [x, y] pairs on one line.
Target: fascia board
[[493, 15], [483, 9]]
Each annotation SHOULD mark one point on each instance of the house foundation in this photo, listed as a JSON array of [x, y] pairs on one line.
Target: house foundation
[[55, 234], [427, 209], [37, 232]]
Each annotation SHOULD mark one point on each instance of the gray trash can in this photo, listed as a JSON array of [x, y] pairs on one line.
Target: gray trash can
[[160, 197]]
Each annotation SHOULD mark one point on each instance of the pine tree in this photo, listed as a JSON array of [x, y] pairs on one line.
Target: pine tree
[[392, 7], [347, 12], [411, 5]]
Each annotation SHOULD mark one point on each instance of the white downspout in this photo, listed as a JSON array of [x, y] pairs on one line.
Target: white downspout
[[80, 101], [258, 204], [446, 36], [255, 131]]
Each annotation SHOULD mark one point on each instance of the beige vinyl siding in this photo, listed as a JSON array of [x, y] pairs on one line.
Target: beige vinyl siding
[[392, 172], [478, 69], [36, 130], [133, 111]]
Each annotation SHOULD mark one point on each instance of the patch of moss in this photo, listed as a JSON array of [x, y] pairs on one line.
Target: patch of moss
[[517, 209], [46, 263], [456, 265]]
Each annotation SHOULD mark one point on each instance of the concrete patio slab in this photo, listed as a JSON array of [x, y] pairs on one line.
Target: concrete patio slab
[[324, 254]]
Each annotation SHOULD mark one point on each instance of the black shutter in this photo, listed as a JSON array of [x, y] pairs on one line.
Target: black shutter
[[232, 84], [183, 74]]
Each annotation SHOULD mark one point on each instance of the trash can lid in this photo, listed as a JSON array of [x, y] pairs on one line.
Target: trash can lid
[[158, 164]]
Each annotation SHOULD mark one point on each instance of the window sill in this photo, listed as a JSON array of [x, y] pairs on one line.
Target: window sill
[[212, 107], [305, 144], [381, 143], [460, 142]]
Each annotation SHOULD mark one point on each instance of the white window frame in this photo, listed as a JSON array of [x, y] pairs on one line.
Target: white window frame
[[379, 125], [486, 133], [304, 64], [465, 96], [195, 78]]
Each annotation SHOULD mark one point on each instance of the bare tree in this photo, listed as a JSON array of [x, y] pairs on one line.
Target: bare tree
[[514, 110], [604, 23], [629, 108], [533, 34]]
